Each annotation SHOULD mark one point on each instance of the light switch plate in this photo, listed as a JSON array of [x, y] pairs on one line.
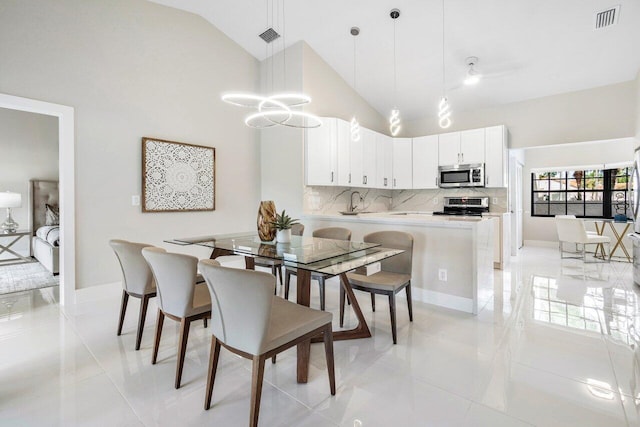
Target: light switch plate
[[135, 200], [495, 200]]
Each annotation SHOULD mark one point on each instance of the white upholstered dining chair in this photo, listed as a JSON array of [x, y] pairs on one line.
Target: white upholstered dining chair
[[180, 298], [572, 230], [394, 276], [248, 320], [137, 281]]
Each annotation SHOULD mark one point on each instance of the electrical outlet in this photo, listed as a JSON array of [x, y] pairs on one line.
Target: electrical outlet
[[135, 200], [495, 200], [435, 200], [442, 275]]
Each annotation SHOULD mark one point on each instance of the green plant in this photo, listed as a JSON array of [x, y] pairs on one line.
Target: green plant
[[283, 221]]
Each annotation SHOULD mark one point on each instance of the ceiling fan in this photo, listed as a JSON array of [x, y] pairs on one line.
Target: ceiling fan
[[475, 74]]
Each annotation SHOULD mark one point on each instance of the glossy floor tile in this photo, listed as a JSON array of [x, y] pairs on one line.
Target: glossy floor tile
[[557, 345]]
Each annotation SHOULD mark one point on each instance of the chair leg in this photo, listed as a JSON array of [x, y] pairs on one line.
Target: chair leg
[[204, 320], [373, 302], [182, 350], [321, 288], [392, 311], [256, 389], [342, 295], [409, 302], [275, 270], [123, 310], [214, 355], [144, 302], [328, 351], [156, 345], [287, 281]]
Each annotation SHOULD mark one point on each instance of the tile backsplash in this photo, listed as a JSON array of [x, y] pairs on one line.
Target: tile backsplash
[[330, 200]]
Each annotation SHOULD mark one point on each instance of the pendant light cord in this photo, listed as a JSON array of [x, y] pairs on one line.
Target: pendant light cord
[[443, 73], [395, 86], [284, 50]]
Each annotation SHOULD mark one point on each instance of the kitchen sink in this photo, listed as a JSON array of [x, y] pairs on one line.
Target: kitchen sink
[[354, 213]]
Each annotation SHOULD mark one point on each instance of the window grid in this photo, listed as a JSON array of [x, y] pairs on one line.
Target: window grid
[[600, 193]]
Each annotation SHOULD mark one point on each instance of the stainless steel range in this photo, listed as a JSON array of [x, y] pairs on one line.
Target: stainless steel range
[[465, 206]]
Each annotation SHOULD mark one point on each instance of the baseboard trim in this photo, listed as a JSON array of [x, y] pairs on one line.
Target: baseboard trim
[[442, 300], [541, 243]]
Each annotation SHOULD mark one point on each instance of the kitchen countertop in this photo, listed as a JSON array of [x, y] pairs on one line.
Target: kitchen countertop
[[405, 218]]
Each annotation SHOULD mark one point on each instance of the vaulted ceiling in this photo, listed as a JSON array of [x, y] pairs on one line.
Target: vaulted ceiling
[[526, 49]]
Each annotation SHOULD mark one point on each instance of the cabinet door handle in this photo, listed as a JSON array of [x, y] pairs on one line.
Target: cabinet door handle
[[385, 182], [436, 181], [349, 177], [395, 183], [331, 176], [365, 179], [462, 154], [458, 157]]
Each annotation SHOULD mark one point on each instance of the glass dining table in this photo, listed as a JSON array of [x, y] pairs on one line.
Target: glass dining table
[[307, 255]]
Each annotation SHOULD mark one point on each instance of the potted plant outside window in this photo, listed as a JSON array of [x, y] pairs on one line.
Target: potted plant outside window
[[283, 224]]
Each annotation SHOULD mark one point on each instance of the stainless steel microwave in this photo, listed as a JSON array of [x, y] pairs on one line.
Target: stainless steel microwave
[[471, 175]]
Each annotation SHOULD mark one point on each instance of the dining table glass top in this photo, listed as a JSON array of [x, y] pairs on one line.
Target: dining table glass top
[[308, 253]]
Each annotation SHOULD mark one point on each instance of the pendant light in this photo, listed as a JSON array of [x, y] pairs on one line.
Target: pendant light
[[444, 110], [275, 109], [394, 119], [355, 126]]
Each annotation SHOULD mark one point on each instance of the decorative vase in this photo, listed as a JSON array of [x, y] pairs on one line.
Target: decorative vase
[[283, 236], [266, 215]]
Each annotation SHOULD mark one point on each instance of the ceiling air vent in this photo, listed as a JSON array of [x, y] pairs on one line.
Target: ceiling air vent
[[607, 18], [269, 35]]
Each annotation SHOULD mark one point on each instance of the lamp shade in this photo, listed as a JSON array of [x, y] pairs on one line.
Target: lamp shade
[[10, 200]]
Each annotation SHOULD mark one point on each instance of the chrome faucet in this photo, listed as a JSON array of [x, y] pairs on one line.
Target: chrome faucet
[[352, 208]]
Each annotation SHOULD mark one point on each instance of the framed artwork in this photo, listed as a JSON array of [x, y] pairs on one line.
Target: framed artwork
[[177, 177]]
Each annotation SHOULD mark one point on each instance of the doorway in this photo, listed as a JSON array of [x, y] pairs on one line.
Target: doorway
[[66, 141]]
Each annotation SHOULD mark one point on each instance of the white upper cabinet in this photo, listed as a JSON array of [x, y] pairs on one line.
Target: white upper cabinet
[[384, 161], [461, 147], [472, 146], [344, 153], [402, 164], [321, 153], [449, 149], [496, 156], [425, 162], [380, 161], [368, 153]]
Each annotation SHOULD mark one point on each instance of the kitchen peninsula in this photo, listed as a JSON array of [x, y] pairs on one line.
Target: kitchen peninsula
[[453, 256]]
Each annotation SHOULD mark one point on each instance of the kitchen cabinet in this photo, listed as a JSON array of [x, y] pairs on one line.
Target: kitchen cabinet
[[368, 154], [321, 153], [472, 146], [448, 148], [496, 156], [344, 153], [384, 161], [402, 164], [461, 147], [425, 162]]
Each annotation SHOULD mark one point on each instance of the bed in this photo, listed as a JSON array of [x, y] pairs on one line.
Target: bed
[[45, 223]]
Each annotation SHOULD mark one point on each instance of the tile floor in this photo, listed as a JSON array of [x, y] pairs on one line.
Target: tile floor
[[556, 346]]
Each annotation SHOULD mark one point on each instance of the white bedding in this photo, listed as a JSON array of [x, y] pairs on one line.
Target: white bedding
[[50, 234]]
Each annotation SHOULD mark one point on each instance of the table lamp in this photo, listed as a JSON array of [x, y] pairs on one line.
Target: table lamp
[[10, 200]]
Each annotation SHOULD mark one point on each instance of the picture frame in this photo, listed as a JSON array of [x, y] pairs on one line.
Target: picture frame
[[177, 176]]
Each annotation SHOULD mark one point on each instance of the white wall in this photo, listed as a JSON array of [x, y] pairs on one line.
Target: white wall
[[131, 68], [601, 113], [29, 147], [566, 155]]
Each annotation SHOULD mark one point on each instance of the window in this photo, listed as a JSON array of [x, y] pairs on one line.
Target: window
[[591, 193]]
